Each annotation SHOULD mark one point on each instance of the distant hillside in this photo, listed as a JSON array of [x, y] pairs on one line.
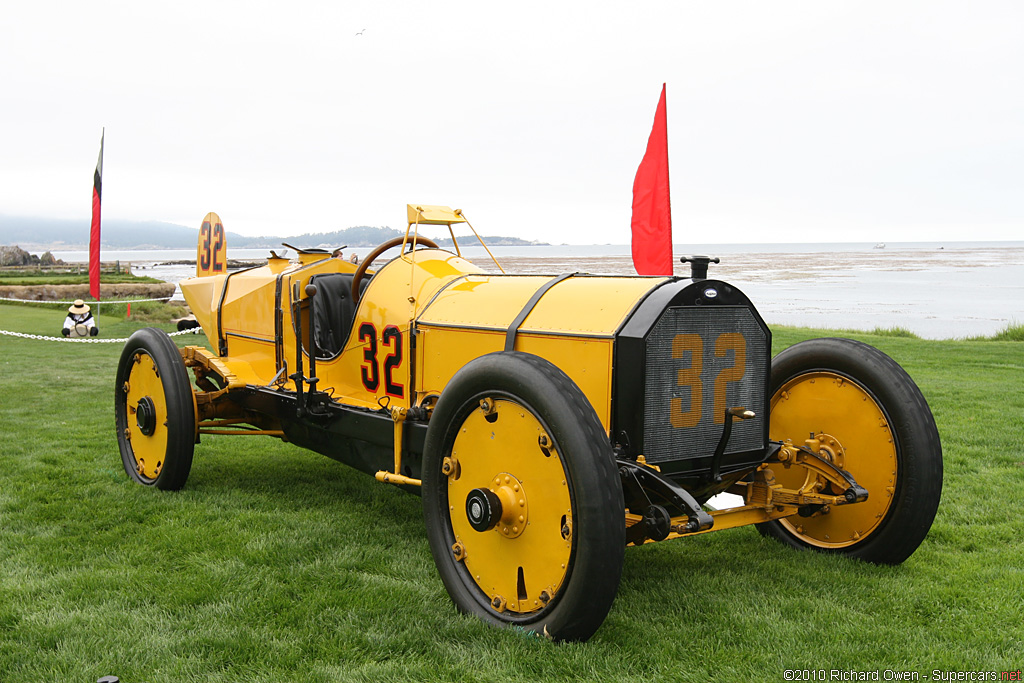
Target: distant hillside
[[53, 233], [359, 236], [40, 234], [493, 241]]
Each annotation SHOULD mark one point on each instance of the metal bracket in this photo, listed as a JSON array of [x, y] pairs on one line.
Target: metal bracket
[[399, 416], [789, 455], [716, 459], [639, 481]]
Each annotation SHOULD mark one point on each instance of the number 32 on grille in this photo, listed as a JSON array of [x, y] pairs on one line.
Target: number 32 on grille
[[690, 347]]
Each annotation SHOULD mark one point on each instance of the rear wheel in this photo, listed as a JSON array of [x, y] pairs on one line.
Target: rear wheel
[[871, 420], [522, 500], [155, 411]]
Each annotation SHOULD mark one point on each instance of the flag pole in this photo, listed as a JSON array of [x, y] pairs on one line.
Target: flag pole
[[94, 227]]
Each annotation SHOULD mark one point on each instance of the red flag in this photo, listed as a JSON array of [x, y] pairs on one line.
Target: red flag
[[652, 210], [94, 230]]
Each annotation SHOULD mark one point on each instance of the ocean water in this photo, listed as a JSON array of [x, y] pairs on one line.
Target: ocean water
[[936, 290]]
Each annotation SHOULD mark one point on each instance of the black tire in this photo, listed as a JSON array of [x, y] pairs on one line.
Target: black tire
[[906, 512], [156, 420], [590, 578]]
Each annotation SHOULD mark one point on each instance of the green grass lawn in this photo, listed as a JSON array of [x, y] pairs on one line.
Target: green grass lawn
[[277, 564], [22, 278]]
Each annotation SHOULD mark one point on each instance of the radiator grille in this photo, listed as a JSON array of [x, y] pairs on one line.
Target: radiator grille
[[700, 361]]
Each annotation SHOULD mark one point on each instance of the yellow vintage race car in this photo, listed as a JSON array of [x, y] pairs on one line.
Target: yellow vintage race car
[[547, 421]]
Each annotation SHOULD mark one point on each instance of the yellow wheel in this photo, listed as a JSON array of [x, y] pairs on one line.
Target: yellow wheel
[[870, 419], [522, 499], [154, 411]]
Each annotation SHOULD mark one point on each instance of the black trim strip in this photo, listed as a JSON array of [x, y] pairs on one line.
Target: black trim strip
[[441, 291], [247, 336], [510, 334], [411, 384], [279, 325], [543, 333], [222, 342]]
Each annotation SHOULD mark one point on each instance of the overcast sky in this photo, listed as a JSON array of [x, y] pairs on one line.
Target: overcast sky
[[787, 121]]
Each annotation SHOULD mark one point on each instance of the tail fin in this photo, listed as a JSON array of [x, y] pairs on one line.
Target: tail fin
[[211, 253]]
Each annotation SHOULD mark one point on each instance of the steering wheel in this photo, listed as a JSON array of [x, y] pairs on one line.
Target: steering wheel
[[378, 250]]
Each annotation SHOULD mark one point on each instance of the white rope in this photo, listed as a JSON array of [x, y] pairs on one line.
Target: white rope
[[109, 301], [195, 330]]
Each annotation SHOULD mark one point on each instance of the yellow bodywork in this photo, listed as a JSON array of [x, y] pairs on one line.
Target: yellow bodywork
[[453, 333], [427, 289]]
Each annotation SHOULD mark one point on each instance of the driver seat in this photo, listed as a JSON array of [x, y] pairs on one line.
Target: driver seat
[[333, 311]]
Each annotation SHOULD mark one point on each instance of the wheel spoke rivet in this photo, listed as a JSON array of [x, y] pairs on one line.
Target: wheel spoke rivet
[[545, 597]]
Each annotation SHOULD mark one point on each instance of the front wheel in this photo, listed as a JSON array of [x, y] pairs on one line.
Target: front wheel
[[154, 411], [870, 419], [522, 500]]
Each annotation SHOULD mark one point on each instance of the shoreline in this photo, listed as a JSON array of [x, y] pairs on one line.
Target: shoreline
[[973, 291]]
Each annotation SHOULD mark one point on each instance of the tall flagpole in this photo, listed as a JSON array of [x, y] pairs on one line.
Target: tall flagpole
[[94, 228]]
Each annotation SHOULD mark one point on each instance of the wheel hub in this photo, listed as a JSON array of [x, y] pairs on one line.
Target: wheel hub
[[831, 449], [513, 511], [145, 416], [483, 508]]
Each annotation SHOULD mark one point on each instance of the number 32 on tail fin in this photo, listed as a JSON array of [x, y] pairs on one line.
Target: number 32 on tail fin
[[211, 253]]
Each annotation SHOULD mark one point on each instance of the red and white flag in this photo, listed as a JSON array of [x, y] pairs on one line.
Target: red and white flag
[[94, 230], [652, 209]]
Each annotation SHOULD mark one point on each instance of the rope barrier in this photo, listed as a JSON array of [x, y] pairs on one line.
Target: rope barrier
[[195, 330], [109, 301]]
